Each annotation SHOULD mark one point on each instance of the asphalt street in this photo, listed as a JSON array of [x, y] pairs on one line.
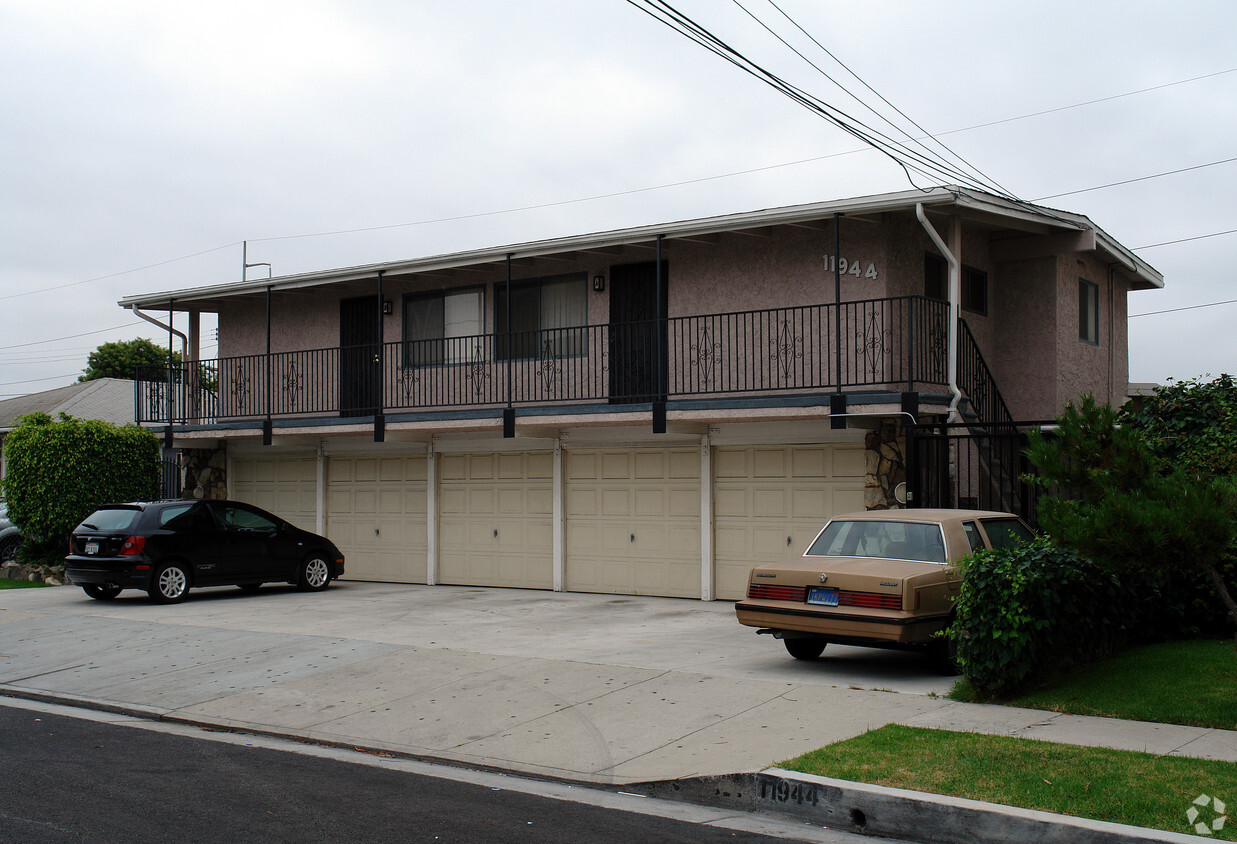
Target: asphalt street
[[91, 777]]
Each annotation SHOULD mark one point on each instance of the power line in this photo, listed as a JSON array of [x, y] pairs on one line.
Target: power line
[[35, 380], [632, 191], [1139, 179], [1184, 240], [1186, 308], [121, 272], [72, 336], [926, 135], [909, 160]]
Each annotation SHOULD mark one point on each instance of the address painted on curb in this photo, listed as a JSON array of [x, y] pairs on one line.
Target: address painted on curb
[[784, 791]]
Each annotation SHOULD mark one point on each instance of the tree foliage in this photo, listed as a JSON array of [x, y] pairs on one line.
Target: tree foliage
[[1191, 423], [121, 359], [59, 471], [1145, 514]]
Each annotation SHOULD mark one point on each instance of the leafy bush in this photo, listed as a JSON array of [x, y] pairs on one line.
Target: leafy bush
[[59, 471], [1032, 609]]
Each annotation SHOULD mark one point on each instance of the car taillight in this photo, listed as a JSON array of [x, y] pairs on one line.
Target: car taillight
[[133, 545]]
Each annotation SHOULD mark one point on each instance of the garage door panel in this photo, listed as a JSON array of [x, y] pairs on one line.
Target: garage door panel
[[849, 463], [615, 495], [789, 492], [286, 486], [376, 514], [495, 521]]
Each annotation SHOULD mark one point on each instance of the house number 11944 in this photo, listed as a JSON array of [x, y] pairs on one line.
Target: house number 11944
[[853, 267]]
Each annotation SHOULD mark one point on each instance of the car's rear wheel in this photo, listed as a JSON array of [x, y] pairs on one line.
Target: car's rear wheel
[[805, 647], [313, 575], [169, 584], [101, 593], [944, 655]]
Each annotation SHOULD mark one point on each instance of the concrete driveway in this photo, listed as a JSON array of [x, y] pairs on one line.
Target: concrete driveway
[[596, 687]]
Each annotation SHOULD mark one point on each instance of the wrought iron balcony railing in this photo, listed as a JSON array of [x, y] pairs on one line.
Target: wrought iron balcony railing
[[896, 344]]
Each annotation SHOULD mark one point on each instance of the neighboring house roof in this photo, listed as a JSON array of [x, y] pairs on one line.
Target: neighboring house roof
[[106, 399], [974, 205]]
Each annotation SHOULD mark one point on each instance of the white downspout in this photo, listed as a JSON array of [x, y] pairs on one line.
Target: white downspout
[[184, 341], [955, 312]]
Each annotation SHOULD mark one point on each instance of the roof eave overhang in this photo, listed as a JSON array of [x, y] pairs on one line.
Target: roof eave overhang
[[969, 203]]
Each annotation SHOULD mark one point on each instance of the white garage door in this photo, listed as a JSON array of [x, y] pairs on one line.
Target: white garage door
[[286, 486], [770, 501], [633, 521], [495, 519], [376, 514]]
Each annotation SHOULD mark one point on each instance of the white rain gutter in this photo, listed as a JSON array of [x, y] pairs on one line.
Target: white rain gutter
[[955, 312], [184, 341]]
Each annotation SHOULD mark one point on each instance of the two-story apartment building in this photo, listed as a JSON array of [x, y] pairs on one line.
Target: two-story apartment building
[[644, 411]]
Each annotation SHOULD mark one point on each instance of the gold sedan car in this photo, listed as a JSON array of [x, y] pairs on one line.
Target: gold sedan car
[[884, 578]]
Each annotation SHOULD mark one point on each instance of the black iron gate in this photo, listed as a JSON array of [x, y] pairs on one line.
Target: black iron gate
[[973, 467]]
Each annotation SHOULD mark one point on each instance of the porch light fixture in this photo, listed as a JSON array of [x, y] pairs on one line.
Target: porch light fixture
[[599, 282], [387, 307]]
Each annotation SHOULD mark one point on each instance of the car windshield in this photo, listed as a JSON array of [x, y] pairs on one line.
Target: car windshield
[[1006, 533], [893, 540], [112, 518]]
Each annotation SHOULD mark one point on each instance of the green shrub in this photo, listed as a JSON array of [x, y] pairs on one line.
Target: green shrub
[[1030, 610], [59, 471]]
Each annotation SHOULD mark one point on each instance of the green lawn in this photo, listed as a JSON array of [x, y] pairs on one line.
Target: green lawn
[[5, 583], [1109, 785], [1192, 682]]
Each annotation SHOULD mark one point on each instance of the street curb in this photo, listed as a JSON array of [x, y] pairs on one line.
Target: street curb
[[899, 813], [860, 808]]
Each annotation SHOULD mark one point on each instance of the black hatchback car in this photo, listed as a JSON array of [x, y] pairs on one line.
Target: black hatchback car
[[168, 547]]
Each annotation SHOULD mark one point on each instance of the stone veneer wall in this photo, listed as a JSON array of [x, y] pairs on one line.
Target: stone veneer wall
[[886, 466], [204, 473]]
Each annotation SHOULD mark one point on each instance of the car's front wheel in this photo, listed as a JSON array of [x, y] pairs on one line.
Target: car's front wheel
[[313, 575], [805, 647], [169, 584], [101, 593]]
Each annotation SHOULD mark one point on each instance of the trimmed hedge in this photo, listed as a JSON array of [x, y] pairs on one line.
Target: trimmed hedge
[[1031, 611], [60, 471]]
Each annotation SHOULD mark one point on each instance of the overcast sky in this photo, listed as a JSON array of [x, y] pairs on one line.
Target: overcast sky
[[142, 141]]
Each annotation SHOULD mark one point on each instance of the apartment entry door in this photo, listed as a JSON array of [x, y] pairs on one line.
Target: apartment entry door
[[636, 323], [360, 342]]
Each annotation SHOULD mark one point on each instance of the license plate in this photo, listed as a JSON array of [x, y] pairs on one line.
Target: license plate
[[823, 595], [92, 548]]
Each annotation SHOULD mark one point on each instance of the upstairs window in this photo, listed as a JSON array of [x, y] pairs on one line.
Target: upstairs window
[[547, 317], [974, 284], [1088, 312], [442, 326], [975, 290]]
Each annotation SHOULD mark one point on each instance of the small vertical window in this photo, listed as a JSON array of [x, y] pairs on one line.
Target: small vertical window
[[1088, 312], [935, 277], [975, 290]]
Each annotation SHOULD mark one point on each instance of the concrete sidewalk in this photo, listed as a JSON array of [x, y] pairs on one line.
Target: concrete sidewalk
[[596, 688]]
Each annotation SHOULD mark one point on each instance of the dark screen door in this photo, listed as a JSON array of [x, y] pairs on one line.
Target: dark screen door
[[360, 373], [634, 331]]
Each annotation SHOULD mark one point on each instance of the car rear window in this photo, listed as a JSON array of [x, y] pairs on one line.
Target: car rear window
[[1006, 533], [112, 518], [894, 540]]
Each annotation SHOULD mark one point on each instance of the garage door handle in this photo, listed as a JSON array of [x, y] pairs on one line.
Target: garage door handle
[[633, 537], [788, 540]]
